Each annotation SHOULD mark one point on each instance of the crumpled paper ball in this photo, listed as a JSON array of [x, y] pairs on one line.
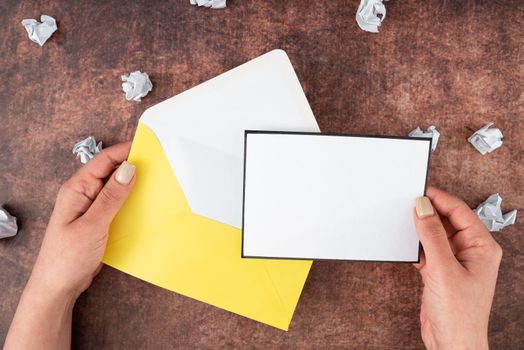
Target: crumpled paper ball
[[486, 139], [136, 85], [86, 149], [8, 226], [431, 133], [40, 32], [490, 213], [215, 4], [367, 15]]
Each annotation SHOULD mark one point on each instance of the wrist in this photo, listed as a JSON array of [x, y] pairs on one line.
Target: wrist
[[43, 318], [52, 279], [475, 338], [472, 343], [480, 343], [45, 293]]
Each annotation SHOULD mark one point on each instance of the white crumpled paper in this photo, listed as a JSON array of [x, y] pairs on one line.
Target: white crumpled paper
[[430, 133], [40, 32], [487, 139], [8, 226], [367, 15], [490, 214], [86, 149], [136, 85], [215, 4]]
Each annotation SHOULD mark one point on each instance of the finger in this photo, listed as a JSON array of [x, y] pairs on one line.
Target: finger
[[420, 265], [432, 235], [471, 232], [464, 241], [450, 230], [77, 194], [111, 197], [104, 162], [457, 211], [478, 256]]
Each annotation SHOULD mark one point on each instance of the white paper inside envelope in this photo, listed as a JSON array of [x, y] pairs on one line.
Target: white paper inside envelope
[[202, 129]]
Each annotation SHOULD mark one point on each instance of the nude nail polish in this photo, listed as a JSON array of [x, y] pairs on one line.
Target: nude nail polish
[[124, 173], [423, 207]]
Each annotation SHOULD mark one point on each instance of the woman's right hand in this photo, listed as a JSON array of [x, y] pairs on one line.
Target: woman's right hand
[[459, 269]]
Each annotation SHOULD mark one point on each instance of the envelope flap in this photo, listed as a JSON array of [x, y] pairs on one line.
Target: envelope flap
[[202, 129], [214, 173]]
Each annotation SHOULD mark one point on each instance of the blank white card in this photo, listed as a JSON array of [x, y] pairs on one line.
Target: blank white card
[[315, 196]]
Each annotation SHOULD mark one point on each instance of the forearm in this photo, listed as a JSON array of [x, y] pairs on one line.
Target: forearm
[[42, 320]]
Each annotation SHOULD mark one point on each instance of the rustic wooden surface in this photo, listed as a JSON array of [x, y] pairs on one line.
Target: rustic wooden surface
[[454, 64]]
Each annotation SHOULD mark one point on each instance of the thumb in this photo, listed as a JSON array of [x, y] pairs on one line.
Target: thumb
[[112, 196], [432, 234]]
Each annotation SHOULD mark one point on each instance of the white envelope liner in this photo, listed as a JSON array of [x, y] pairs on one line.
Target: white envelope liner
[[202, 129]]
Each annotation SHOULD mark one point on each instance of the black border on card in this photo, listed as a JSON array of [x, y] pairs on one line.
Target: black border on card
[[247, 132]]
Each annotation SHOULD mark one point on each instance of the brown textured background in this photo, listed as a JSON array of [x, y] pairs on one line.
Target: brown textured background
[[455, 64]]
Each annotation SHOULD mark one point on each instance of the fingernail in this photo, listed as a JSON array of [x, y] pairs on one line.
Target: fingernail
[[423, 207], [124, 173]]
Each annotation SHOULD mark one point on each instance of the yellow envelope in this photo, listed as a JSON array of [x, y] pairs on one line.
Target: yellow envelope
[[158, 238]]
